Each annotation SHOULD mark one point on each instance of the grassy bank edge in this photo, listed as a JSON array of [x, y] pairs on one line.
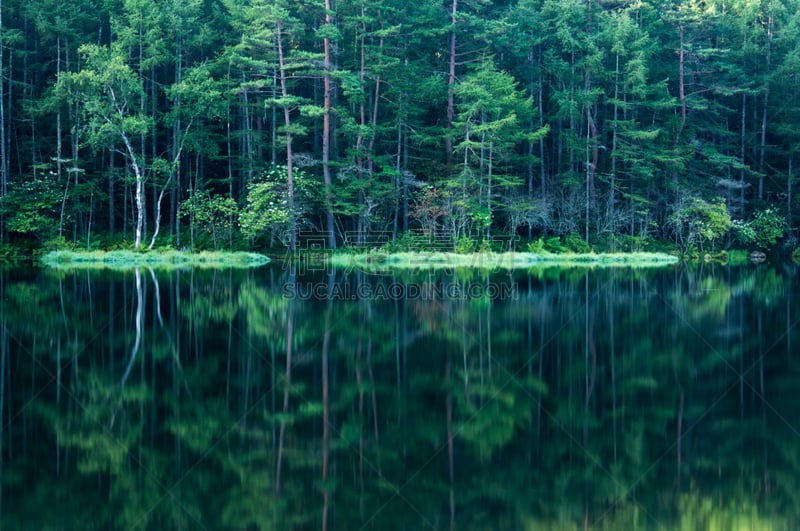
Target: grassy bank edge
[[508, 260], [124, 259]]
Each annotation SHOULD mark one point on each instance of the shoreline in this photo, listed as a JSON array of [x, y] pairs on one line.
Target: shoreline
[[506, 260], [127, 260]]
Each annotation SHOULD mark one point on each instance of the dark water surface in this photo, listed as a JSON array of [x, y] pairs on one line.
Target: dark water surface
[[278, 399]]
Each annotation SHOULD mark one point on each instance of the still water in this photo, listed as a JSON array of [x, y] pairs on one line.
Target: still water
[[286, 398]]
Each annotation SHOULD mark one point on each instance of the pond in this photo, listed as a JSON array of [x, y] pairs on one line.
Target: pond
[[293, 397]]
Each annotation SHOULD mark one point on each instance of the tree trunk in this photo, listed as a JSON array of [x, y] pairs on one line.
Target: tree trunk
[[287, 122], [681, 96], [326, 133], [764, 112], [360, 236], [613, 177], [111, 208], [3, 154], [326, 414], [742, 144], [286, 384], [789, 179], [451, 83], [138, 191]]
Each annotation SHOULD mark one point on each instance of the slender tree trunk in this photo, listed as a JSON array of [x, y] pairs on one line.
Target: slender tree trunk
[[140, 199], [451, 84], [376, 100], [59, 140], [764, 111], [3, 154], [398, 179], [742, 144], [590, 125], [374, 399], [287, 122], [158, 201], [450, 443], [678, 441], [326, 414], [111, 208], [360, 138], [247, 138], [273, 153], [681, 95], [613, 177], [789, 192], [542, 174], [286, 384], [138, 191], [360, 425], [326, 133]]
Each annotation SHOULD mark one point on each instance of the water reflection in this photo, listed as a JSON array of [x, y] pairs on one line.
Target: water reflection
[[573, 399]]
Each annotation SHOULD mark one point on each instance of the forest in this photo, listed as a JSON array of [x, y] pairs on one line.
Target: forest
[[575, 124]]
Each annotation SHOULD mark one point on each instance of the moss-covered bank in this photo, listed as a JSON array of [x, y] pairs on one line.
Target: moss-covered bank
[[509, 260], [122, 260]]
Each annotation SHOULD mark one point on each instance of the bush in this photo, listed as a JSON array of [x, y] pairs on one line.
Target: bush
[[404, 243], [554, 245], [465, 245], [695, 222], [9, 254], [575, 243], [762, 231], [59, 243], [536, 246]]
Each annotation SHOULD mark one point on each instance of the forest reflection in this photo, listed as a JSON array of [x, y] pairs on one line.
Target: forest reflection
[[213, 400]]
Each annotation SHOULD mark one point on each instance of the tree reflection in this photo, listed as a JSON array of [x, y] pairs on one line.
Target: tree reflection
[[610, 399]]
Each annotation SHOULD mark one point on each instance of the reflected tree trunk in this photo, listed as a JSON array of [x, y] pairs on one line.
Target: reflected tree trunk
[[3, 357], [372, 385], [326, 407], [138, 324], [286, 385], [450, 449], [360, 427], [679, 440]]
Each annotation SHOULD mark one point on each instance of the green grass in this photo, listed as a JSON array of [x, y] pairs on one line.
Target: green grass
[[509, 260], [124, 260]]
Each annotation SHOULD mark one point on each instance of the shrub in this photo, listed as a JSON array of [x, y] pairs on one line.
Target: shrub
[[536, 246], [404, 243], [762, 231], [465, 245], [554, 245], [575, 243]]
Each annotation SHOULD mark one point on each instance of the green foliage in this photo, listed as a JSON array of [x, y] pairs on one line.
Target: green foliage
[[536, 246], [32, 208], [216, 215], [266, 208], [696, 222], [109, 93], [576, 244], [763, 230], [408, 241], [465, 245], [10, 255], [553, 244]]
